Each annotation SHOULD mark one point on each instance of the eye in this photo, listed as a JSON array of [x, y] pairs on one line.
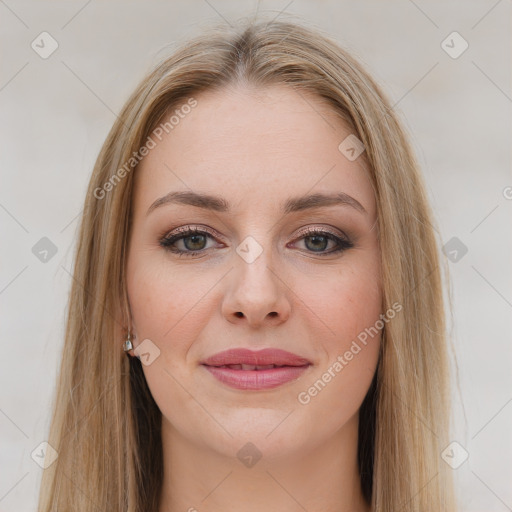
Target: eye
[[193, 240], [317, 240]]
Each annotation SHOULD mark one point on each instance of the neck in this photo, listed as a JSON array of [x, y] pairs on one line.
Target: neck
[[323, 477]]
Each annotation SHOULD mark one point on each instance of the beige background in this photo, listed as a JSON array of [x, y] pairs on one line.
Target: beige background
[[56, 112]]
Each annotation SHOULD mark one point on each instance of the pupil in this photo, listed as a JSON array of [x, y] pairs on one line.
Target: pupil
[[323, 239], [194, 237]]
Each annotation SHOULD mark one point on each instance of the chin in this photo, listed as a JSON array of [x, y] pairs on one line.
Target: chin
[[264, 435]]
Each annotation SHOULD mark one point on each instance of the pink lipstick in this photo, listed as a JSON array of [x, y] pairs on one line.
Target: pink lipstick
[[245, 369]]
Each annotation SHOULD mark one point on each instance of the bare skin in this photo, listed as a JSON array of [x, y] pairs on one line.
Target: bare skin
[[256, 149]]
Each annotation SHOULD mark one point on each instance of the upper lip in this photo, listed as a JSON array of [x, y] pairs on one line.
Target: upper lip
[[263, 357]]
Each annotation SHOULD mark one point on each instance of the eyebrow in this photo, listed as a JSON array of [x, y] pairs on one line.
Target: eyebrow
[[294, 204]]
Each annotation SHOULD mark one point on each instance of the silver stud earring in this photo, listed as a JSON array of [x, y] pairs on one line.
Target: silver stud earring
[[127, 345]]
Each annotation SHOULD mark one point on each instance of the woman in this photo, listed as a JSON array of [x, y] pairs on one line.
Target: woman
[[256, 317]]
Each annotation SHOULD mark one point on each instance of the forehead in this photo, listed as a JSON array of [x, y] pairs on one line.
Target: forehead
[[252, 146]]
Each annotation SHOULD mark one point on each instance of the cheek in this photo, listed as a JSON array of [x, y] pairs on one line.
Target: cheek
[[347, 301], [150, 295], [166, 305], [350, 306], [171, 320], [355, 306]]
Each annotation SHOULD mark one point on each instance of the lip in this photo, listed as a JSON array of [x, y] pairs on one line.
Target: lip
[[263, 357], [252, 379]]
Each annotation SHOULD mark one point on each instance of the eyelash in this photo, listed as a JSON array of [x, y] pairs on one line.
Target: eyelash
[[167, 241]]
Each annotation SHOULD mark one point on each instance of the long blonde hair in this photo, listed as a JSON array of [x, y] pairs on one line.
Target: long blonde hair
[[105, 424]]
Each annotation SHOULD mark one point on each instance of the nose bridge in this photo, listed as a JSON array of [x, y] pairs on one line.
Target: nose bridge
[[254, 265]]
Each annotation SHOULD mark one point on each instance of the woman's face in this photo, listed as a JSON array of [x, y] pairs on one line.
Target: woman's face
[[266, 269]]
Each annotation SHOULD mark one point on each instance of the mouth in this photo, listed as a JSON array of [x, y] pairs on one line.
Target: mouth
[[248, 370], [246, 367]]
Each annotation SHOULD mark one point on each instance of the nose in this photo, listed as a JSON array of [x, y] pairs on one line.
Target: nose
[[256, 294]]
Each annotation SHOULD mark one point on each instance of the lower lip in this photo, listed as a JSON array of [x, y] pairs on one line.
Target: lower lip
[[256, 379]]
